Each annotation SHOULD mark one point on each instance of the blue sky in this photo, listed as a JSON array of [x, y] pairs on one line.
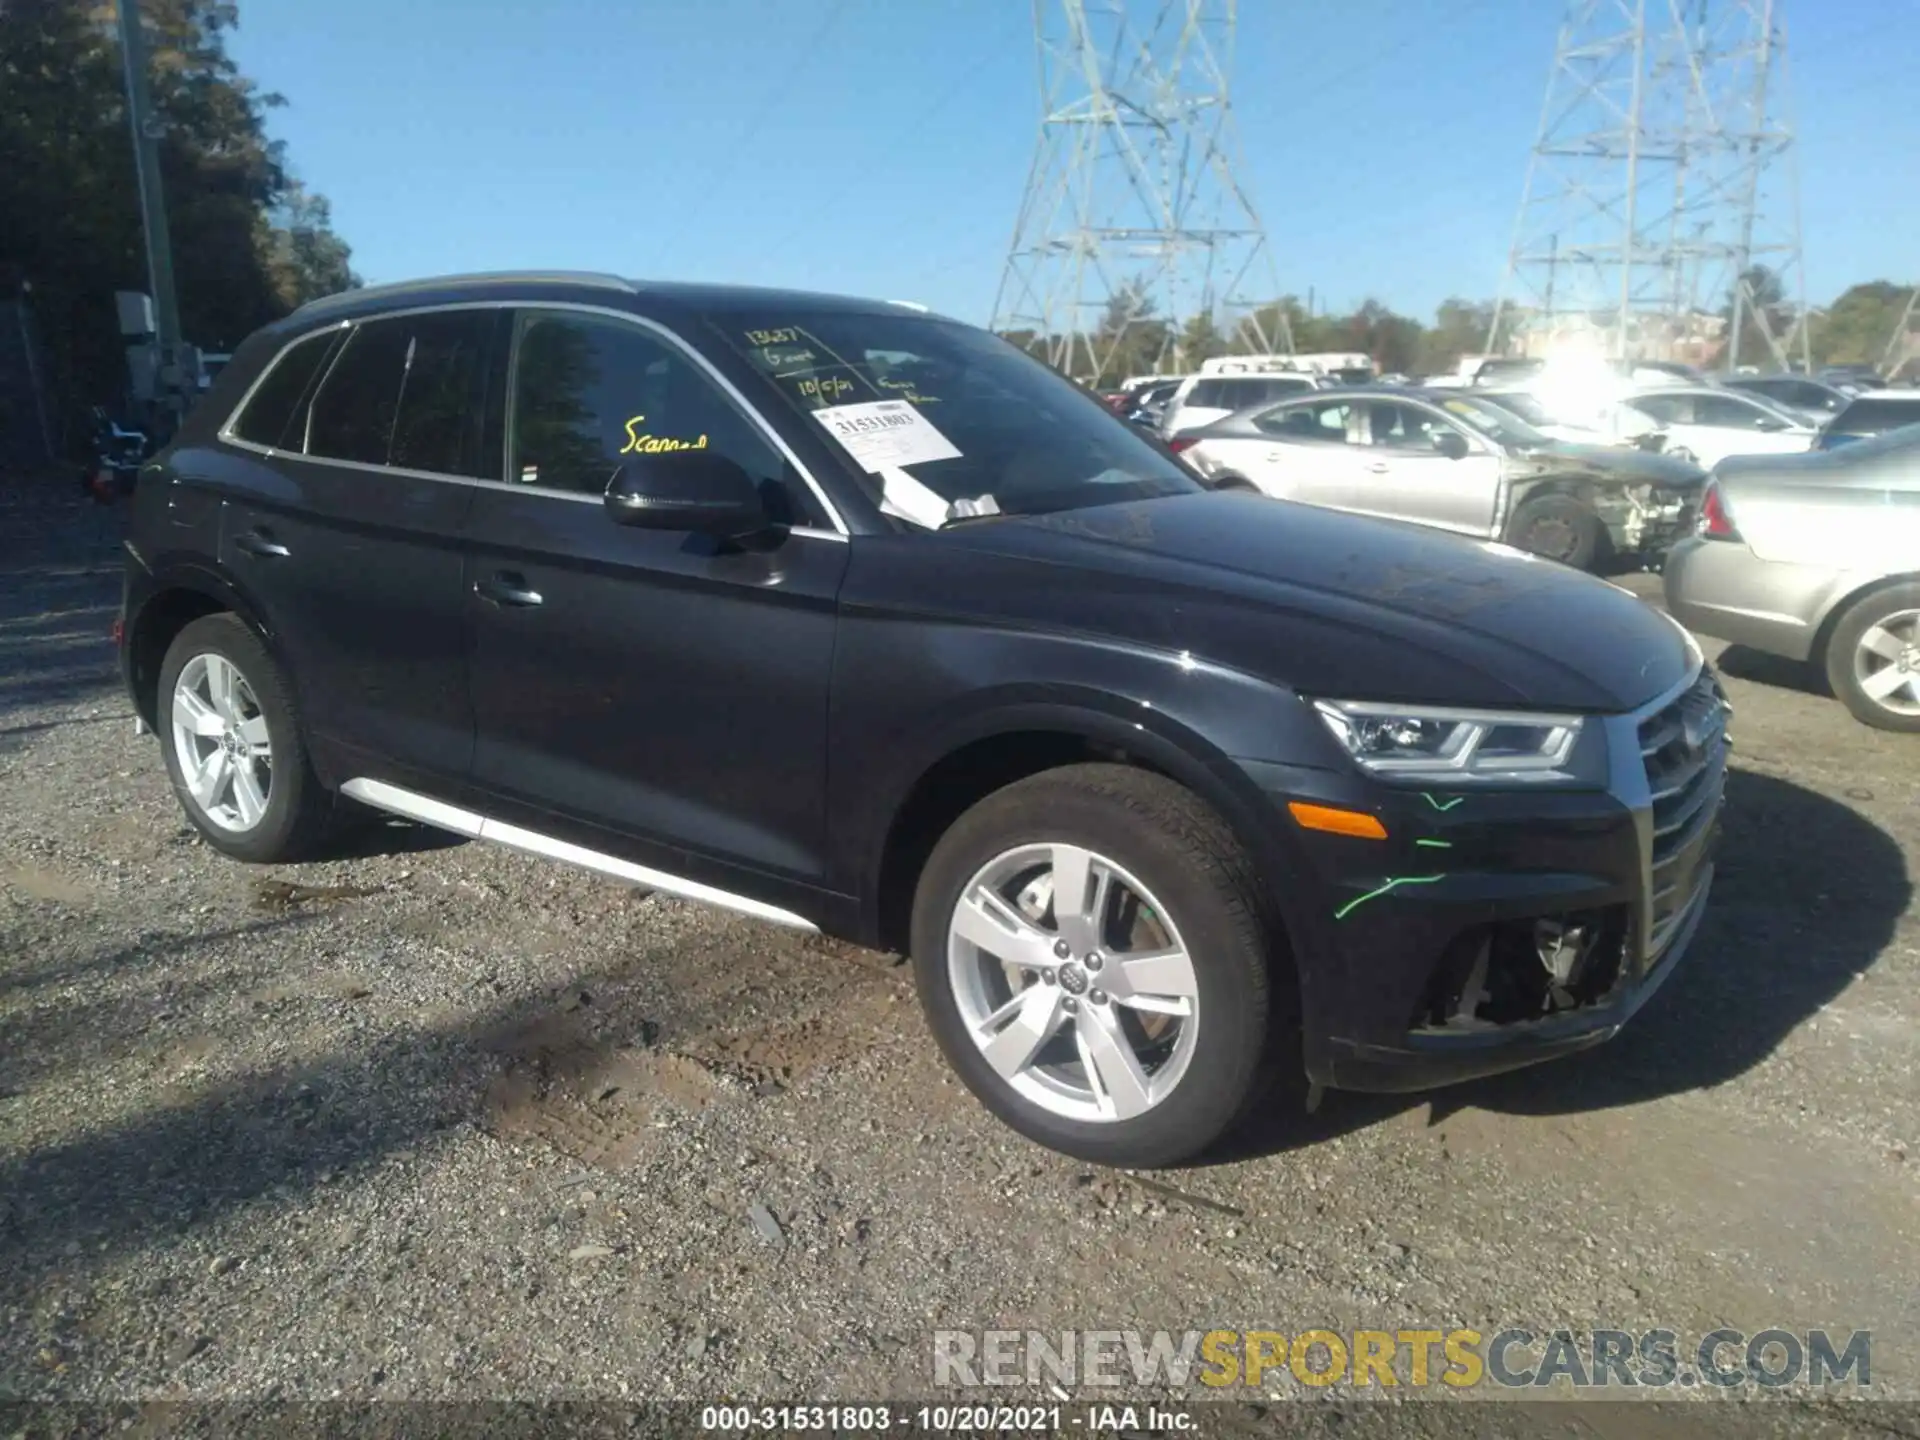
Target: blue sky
[[880, 146]]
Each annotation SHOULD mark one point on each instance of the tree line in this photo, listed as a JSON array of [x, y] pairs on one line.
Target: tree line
[[1132, 338], [250, 242]]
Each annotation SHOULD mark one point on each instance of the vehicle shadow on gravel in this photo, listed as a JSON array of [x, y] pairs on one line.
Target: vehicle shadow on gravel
[[1807, 894], [1775, 671], [260, 1139], [57, 659]]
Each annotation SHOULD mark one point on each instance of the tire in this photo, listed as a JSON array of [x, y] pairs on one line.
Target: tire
[[1558, 527], [1873, 639], [293, 820], [1236, 482], [1196, 896]]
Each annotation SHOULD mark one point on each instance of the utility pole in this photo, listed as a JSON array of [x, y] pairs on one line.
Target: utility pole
[[1133, 194], [147, 129], [1662, 174]]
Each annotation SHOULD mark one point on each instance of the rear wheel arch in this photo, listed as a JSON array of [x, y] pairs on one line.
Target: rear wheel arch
[[176, 604], [1836, 611]]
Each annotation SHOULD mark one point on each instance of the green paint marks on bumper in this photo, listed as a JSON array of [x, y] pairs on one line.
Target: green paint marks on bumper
[[1393, 884]]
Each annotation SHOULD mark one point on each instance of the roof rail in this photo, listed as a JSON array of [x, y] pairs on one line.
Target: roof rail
[[436, 282]]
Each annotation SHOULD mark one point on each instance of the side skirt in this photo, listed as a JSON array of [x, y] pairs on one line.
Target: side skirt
[[428, 811]]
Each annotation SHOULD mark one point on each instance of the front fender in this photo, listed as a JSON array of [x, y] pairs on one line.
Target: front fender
[[906, 698]]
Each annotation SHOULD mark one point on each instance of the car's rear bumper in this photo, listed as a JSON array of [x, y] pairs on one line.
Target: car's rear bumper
[[1395, 938], [1721, 588]]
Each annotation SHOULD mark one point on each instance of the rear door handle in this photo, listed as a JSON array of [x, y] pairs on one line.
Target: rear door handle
[[507, 588], [260, 542], [1379, 467]]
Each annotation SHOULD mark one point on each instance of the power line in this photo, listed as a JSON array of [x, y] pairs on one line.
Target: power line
[[772, 100]]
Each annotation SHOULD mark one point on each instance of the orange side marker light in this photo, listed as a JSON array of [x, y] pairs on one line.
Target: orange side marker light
[[1337, 822]]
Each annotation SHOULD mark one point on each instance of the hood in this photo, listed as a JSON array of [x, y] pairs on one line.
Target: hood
[[1340, 605], [1620, 462]]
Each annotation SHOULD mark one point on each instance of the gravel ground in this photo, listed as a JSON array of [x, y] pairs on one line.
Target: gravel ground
[[438, 1122]]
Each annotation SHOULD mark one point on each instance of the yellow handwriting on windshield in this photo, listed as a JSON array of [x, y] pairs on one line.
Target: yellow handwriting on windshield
[[908, 392], [641, 443], [829, 389]]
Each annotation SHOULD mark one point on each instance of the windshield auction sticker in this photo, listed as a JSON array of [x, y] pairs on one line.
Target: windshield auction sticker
[[886, 434]]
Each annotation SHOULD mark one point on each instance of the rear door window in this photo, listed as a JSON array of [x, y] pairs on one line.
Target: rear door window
[[269, 412], [409, 392], [443, 395], [354, 413], [1326, 421]]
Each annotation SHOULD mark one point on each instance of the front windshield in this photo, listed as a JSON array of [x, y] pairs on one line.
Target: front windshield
[[1498, 423], [958, 412], [1525, 406]]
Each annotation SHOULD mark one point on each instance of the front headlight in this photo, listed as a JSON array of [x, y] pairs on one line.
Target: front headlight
[[1424, 742]]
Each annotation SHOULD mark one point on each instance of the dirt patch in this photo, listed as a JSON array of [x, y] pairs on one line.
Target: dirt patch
[[591, 1101], [38, 884], [282, 895], [775, 1056]]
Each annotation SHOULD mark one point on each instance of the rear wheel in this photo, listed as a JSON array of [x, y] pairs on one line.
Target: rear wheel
[[1873, 659], [1558, 527], [1089, 952], [233, 746]]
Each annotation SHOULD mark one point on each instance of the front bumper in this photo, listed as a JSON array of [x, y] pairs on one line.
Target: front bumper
[[1394, 938]]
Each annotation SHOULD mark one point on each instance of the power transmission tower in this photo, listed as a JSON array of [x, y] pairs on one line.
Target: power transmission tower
[[1132, 215], [1900, 344], [1662, 183]]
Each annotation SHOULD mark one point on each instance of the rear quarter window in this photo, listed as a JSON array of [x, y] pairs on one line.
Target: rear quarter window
[[269, 411]]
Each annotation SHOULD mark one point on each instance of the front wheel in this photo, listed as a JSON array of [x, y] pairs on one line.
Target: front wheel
[[1090, 955], [1873, 660], [1558, 527]]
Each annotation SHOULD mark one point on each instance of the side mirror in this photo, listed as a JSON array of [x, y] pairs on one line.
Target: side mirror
[[1452, 444], [700, 491]]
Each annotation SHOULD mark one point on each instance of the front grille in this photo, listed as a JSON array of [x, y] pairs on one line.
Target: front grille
[[1684, 748]]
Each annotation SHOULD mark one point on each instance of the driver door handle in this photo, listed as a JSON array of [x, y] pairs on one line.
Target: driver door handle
[[508, 588], [1379, 467]]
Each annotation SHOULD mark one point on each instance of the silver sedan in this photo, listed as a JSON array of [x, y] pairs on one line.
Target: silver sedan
[[1816, 558]]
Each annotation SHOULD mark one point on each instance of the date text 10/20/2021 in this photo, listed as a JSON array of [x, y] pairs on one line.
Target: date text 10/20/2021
[[945, 1419]]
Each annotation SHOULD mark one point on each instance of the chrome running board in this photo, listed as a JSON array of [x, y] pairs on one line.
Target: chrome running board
[[428, 811]]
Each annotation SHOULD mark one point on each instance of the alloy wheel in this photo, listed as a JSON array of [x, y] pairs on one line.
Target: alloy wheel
[[1886, 662], [1073, 981], [220, 739], [1552, 538]]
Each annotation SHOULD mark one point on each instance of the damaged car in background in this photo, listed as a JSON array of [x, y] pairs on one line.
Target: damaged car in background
[[1455, 462]]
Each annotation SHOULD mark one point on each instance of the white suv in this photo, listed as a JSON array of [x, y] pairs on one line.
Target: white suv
[[1203, 399]]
